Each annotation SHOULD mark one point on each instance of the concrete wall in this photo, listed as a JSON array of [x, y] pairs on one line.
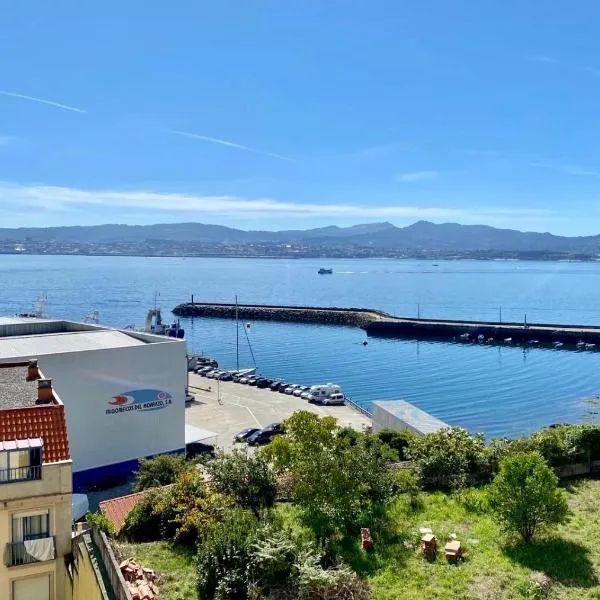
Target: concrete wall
[[30, 497], [88, 381], [85, 580]]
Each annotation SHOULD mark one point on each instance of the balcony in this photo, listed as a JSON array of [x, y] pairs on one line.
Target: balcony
[[18, 554], [15, 474]]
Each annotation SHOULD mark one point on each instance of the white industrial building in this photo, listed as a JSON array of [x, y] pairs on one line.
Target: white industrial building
[[123, 391], [403, 416]]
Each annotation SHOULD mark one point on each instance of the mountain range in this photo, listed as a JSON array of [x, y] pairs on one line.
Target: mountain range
[[420, 236]]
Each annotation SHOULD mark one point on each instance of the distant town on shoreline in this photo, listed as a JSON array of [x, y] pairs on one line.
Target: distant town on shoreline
[[422, 240]]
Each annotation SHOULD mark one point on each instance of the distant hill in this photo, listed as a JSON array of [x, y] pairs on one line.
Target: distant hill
[[420, 236]]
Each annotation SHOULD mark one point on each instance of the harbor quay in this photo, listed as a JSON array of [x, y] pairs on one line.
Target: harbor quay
[[224, 408], [377, 323]]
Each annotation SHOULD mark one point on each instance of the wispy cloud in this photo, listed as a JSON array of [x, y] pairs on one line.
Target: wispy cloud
[[366, 153], [42, 101], [548, 60], [541, 58], [576, 170], [6, 140], [212, 140], [58, 198], [415, 176]]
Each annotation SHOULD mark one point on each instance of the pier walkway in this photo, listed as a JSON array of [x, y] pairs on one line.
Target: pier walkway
[[380, 324]]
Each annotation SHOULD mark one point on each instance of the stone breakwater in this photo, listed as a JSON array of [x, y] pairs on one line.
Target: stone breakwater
[[354, 317], [380, 324]]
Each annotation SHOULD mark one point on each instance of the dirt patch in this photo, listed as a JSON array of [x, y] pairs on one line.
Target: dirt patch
[[484, 587]]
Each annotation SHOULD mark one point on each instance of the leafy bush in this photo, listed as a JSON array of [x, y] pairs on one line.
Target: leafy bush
[[158, 471], [316, 583], [144, 523], [224, 557], [246, 477], [525, 497], [179, 512], [396, 440], [407, 482], [100, 521], [450, 459]]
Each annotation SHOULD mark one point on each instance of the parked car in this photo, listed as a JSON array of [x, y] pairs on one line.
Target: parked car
[[277, 384], [244, 434], [291, 388], [263, 382], [203, 370], [265, 435], [244, 380], [189, 397], [333, 399], [213, 374], [225, 376], [252, 380], [195, 449], [305, 395], [236, 377], [300, 390]]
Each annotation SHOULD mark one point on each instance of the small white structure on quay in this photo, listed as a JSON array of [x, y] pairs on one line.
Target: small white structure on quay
[[404, 416], [123, 391]]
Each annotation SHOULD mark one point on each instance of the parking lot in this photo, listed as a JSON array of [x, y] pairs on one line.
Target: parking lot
[[226, 407]]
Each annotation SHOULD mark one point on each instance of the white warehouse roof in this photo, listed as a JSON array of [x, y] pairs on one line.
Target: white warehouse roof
[[410, 415], [57, 343]]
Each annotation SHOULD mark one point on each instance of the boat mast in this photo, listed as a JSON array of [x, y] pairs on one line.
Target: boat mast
[[237, 337]]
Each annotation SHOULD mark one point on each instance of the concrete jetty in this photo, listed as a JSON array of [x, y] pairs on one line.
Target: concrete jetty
[[380, 324], [354, 317]]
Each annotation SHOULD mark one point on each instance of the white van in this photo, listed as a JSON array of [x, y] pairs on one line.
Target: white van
[[334, 399], [318, 393]]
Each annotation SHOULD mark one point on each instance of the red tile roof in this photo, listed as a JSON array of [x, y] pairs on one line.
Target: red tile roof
[[46, 422], [117, 509]]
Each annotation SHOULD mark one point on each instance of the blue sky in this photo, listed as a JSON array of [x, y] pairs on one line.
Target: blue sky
[[268, 114]]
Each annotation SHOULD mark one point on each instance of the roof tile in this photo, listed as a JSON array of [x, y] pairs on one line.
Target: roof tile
[[117, 509], [46, 422]]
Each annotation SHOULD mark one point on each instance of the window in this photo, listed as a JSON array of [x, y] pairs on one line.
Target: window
[[20, 465], [38, 587], [31, 527]]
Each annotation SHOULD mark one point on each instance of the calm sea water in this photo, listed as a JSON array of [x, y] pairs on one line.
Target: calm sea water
[[496, 390]]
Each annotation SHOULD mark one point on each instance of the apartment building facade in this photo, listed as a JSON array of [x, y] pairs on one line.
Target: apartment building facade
[[35, 486]]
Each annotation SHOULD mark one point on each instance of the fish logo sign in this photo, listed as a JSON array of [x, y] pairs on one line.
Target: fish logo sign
[[139, 400]]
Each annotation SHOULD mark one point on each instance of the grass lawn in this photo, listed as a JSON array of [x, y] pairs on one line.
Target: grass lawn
[[562, 565], [175, 565]]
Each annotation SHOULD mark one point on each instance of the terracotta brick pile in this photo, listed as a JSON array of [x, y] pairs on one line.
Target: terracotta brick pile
[[140, 581]]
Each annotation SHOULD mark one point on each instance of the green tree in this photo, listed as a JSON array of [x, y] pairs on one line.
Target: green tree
[[246, 477], [525, 497], [158, 471], [338, 483], [450, 459]]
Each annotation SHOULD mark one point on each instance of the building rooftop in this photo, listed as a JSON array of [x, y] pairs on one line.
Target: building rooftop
[[117, 509], [21, 418], [46, 422], [15, 390], [411, 415], [56, 343]]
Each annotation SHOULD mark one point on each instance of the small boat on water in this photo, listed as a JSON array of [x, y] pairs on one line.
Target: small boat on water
[[324, 271]]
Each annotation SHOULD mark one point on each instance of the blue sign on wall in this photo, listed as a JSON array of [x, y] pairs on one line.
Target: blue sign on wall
[[139, 400]]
